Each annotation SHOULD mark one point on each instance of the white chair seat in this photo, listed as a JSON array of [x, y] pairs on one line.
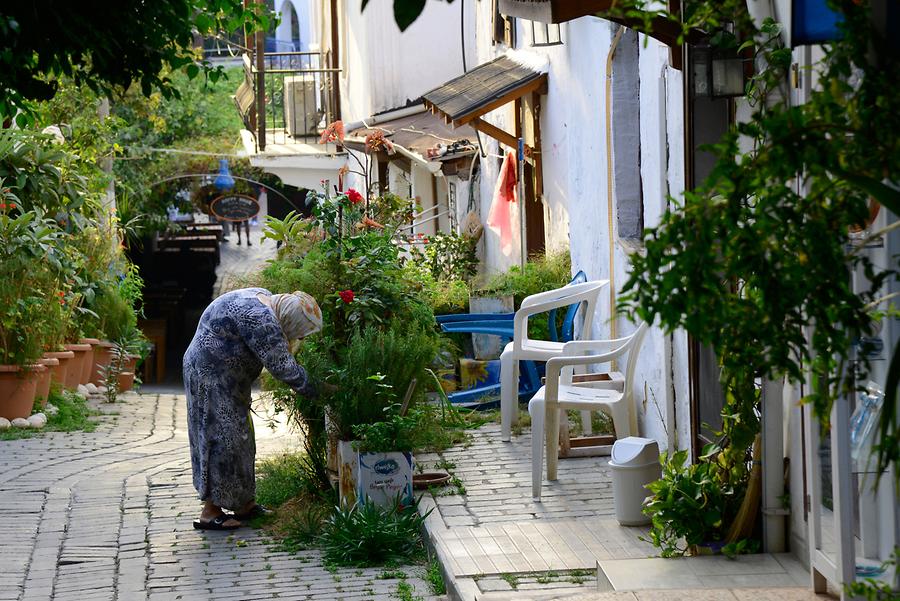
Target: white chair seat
[[614, 397]]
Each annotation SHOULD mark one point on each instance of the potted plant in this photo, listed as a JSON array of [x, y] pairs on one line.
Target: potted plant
[[27, 241], [384, 457]]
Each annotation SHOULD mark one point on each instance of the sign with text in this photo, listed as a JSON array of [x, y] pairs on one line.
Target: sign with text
[[234, 207]]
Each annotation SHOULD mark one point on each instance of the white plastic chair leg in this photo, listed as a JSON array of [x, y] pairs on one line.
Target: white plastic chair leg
[[621, 420], [508, 393], [586, 427], [551, 436], [536, 410]]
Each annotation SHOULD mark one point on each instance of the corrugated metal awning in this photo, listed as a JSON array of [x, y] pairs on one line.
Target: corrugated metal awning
[[483, 89]]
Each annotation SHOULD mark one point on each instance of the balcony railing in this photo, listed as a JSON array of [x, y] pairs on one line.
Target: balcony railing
[[299, 97]]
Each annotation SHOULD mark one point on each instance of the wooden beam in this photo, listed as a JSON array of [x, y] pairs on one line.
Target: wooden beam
[[536, 153], [495, 132]]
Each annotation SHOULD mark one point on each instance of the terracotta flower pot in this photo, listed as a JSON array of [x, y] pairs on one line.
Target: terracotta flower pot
[[59, 373], [17, 389], [103, 355], [126, 381], [42, 393], [87, 368], [131, 363], [76, 365]]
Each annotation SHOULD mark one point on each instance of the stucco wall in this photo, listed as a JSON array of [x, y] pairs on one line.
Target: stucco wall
[[384, 68], [573, 129]]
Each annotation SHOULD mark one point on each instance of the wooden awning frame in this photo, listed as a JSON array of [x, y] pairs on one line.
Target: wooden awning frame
[[536, 86]]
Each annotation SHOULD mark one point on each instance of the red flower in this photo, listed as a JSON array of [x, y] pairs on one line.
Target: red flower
[[354, 197], [346, 296], [12, 205]]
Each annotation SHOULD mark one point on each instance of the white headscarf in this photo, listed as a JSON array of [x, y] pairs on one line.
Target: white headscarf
[[298, 313]]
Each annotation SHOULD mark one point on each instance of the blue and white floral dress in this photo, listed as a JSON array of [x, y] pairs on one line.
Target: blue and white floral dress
[[237, 336]]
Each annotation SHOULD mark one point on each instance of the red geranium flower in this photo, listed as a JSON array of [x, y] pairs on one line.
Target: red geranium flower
[[346, 296], [354, 196]]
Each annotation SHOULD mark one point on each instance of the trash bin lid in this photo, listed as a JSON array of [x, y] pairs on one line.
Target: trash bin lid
[[635, 451]]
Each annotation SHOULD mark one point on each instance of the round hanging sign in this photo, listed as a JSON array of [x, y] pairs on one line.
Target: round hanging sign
[[234, 207]]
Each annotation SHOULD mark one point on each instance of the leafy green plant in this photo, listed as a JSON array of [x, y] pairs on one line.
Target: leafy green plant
[[29, 244], [451, 256], [687, 505], [284, 477], [395, 433], [291, 233], [435, 578], [368, 535]]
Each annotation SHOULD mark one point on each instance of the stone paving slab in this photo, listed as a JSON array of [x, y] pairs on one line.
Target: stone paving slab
[[496, 543], [108, 515]]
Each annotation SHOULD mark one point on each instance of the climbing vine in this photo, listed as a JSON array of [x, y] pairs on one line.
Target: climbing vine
[[756, 262]]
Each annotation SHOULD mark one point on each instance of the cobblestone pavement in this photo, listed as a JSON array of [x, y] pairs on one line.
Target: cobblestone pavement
[[107, 516]]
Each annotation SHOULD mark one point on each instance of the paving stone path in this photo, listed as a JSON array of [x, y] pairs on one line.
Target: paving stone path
[[107, 516]]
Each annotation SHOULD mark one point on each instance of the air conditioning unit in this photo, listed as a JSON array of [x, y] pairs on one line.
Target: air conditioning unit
[[301, 115]]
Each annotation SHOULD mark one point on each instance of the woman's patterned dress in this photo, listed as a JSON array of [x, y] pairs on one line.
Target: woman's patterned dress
[[237, 336]]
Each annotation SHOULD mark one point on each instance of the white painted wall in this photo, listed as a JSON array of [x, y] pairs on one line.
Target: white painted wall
[[573, 130], [384, 68]]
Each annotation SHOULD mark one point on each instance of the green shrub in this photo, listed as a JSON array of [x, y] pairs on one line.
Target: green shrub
[[281, 478], [369, 535], [541, 273]]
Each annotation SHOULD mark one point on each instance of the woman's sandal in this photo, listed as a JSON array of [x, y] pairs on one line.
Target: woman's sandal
[[217, 523], [257, 511]]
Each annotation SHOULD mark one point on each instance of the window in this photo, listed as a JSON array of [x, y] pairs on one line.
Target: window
[[504, 28], [545, 34]]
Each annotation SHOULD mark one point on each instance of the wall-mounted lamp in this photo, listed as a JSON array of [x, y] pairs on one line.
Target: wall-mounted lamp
[[224, 182], [717, 73]]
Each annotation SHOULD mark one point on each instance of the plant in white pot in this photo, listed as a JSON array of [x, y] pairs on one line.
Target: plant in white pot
[[385, 459]]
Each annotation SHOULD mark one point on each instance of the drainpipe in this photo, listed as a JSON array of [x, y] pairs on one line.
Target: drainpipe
[[772, 457], [609, 184]]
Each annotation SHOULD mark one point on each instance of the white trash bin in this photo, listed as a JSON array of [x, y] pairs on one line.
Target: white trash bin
[[634, 463]]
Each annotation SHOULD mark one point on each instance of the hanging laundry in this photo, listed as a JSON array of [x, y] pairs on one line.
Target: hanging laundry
[[502, 217]]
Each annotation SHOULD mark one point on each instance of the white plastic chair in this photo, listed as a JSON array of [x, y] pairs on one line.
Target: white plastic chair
[[524, 348], [558, 394]]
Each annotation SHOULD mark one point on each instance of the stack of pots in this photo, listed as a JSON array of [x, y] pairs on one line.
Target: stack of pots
[[126, 378]]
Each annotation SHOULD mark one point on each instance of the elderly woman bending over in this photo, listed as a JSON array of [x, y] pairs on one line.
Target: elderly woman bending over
[[239, 333]]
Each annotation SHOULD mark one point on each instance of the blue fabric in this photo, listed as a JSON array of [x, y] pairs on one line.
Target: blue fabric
[[813, 22], [237, 336]]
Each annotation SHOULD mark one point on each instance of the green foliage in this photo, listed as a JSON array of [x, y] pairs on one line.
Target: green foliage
[[30, 291], [395, 433], [292, 233], [435, 578], [449, 256], [540, 273], [46, 41], [688, 505], [284, 477], [745, 263], [369, 535], [441, 295], [370, 370]]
